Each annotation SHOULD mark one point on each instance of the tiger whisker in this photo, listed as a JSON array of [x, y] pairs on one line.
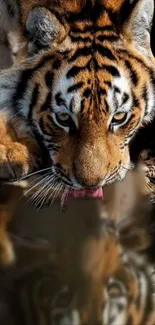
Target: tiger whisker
[[58, 189], [39, 199], [25, 193], [51, 189], [37, 184], [45, 198], [39, 195], [48, 178], [32, 174]]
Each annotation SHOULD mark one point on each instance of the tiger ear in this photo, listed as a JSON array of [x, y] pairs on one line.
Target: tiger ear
[[137, 28], [43, 29]]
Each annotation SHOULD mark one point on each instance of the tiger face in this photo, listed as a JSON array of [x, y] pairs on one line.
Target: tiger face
[[86, 94]]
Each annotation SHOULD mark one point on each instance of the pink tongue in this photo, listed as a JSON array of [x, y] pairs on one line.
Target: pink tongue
[[84, 193]]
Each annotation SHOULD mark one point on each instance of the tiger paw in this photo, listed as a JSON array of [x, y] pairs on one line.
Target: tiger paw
[[16, 160]]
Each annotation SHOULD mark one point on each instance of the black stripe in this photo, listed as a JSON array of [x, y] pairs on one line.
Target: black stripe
[[102, 91], [73, 72], [34, 99], [106, 106], [132, 72], [84, 51], [87, 92], [85, 30], [117, 90], [75, 87], [108, 83], [80, 39], [43, 127], [106, 28], [87, 51], [105, 52], [145, 97], [59, 100], [56, 64], [82, 105], [26, 75], [110, 38], [49, 76], [136, 102], [47, 103], [125, 98], [111, 69]]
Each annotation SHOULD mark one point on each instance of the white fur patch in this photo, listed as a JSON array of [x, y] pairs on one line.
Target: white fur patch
[[115, 98], [150, 103], [61, 85], [123, 85]]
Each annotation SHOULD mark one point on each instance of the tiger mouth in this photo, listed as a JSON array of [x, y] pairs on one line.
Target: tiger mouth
[[80, 194]]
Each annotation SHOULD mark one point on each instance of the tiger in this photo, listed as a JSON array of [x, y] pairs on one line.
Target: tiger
[[86, 96], [86, 87]]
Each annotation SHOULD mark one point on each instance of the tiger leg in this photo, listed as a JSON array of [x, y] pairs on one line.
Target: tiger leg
[[18, 157]]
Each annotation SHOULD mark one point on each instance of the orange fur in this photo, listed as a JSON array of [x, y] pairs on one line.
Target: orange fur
[[92, 53]]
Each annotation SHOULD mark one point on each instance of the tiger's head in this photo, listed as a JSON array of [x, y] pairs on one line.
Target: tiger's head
[[88, 90]]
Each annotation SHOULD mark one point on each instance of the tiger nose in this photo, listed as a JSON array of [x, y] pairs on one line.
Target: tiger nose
[[89, 183], [87, 178]]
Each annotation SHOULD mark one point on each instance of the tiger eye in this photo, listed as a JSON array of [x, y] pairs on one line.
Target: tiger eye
[[63, 117], [119, 118]]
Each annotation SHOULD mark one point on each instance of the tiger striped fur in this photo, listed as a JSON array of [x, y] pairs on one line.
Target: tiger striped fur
[[84, 98], [84, 95]]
